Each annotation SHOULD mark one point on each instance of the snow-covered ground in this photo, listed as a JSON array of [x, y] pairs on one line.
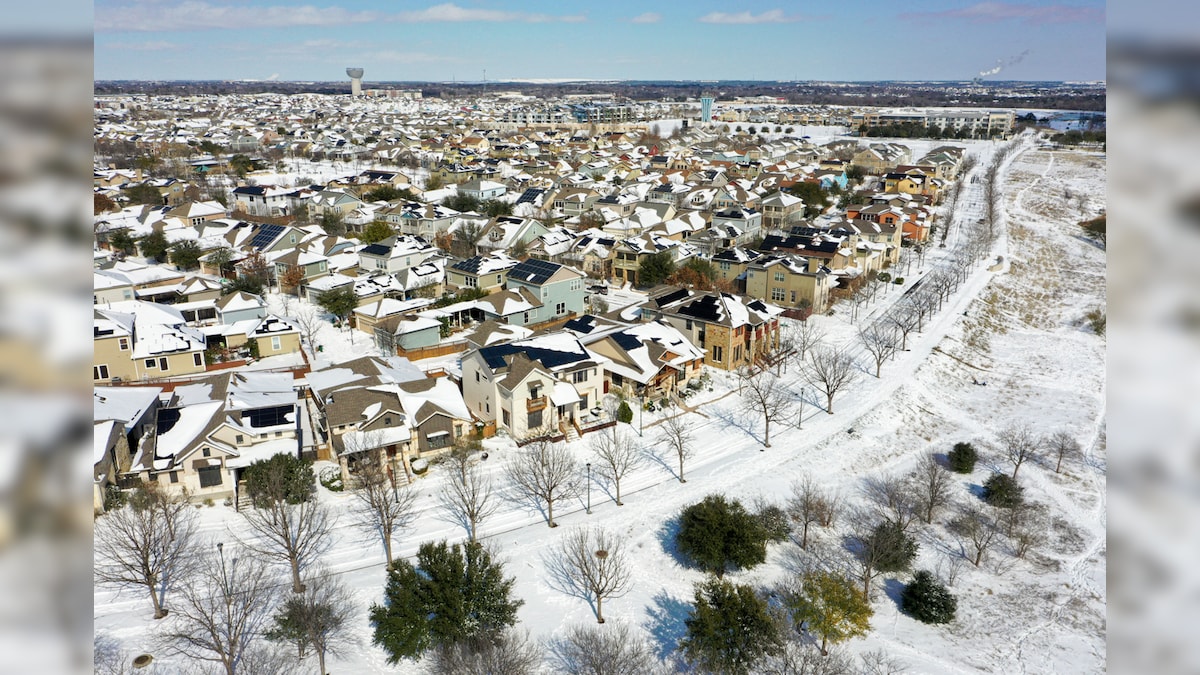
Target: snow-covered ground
[[1022, 332]]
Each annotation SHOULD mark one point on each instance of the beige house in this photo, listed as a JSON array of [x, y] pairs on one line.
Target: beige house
[[143, 340], [733, 330], [787, 282]]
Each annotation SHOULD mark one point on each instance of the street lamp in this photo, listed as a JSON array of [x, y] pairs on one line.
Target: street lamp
[[589, 488]]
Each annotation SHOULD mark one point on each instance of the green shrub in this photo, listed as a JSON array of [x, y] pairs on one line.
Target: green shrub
[[1002, 491], [114, 498], [928, 601], [899, 281], [962, 458], [1098, 320], [283, 477], [624, 413], [774, 521]]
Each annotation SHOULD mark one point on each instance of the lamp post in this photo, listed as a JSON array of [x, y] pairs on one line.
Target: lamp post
[[589, 488]]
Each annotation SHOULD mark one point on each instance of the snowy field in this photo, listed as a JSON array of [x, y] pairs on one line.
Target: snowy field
[[1021, 329]]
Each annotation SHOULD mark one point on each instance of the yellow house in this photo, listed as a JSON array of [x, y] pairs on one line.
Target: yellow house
[[144, 340], [787, 282]]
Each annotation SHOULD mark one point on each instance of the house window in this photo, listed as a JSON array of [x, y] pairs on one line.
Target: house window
[[717, 353], [207, 452], [174, 476], [276, 343], [793, 297], [504, 416], [560, 308], [198, 359], [579, 376], [440, 439], [239, 439], [583, 402], [123, 344], [162, 363], [779, 275], [100, 372], [477, 377], [151, 364], [535, 419], [777, 294], [526, 318], [210, 476], [723, 265], [387, 421]]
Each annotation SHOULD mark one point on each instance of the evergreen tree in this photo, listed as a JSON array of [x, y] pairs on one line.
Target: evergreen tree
[[624, 413], [282, 478], [655, 269], [962, 458], [154, 245], [186, 254], [831, 606], [886, 549], [717, 534], [928, 601], [120, 240], [453, 594], [378, 230], [339, 301], [1002, 491], [143, 193], [730, 630]]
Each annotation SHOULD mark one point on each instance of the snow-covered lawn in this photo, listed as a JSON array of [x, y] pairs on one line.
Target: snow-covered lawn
[[1021, 333]]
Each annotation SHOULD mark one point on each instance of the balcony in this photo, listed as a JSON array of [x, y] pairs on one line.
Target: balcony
[[535, 404]]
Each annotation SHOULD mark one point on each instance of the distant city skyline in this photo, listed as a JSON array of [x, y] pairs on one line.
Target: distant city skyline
[[505, 40]]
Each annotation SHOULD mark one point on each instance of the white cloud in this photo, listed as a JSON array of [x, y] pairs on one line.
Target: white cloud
[[648, 17], [201, 14], [153, 46], [770, 16]]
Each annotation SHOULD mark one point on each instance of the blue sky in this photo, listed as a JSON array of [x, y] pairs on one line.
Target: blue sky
[[613, 39]]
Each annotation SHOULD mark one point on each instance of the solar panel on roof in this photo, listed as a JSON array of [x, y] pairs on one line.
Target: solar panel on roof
[[376, 249], [266, 234], [534, 271], [268, 417], [626, 341]]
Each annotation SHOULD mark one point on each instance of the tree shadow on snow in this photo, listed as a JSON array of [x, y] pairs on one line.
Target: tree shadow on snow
[[561, 577], [664, 458], [666, 538], [524, 501], [741, 422], [665, 624], [894, 588]]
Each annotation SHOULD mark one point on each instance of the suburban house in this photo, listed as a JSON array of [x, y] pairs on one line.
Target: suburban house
[[262, 200], [780, 210], [396, 253], [142, 340], [733, 330], [384, 409], [121, 416], [787, 282], [546, 385], [213, 428], [648, 360], [481, 189], [422, 220], [482, 272], [558, 289]]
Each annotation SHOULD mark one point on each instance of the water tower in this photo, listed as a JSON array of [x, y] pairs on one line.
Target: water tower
[[355, 81]]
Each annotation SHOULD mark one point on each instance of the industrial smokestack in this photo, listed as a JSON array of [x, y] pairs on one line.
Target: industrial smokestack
[[355, 81]]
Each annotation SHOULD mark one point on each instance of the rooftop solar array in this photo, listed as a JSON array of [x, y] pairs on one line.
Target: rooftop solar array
[[530, 196], [268, 417], [534, 271], [266, 234], [376, 249], [550, 358], [626, 341], [470, 265]]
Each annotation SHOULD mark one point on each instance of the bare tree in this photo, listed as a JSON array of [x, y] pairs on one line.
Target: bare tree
[[320, 619], [592, 562], [830, 370], [803, 336], [224, 612], [766, 396], [809, 505], [383, 509], [543, 473], [880, 342], [878, 662], [677, 435], [931, 485], [612, 650], [612, 406], [1019, 443], [923, 302], [309, 321], [1063, 447], [799, 658], [150, 542], [618, 455], [904, 319], [976, 530], [894, 499], [510, 653], [293, 534], [467, 495]]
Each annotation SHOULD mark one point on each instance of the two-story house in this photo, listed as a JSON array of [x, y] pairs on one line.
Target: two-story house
[[547, 385], [787, 282], [482, 272], [141, 340], [557, 287], [733, 330]]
